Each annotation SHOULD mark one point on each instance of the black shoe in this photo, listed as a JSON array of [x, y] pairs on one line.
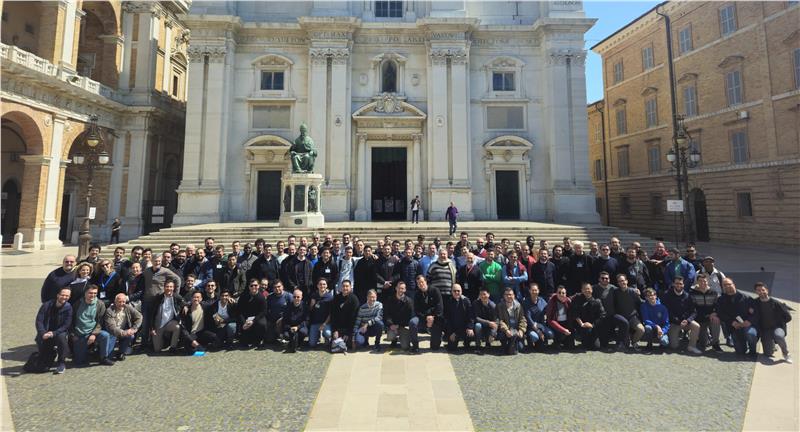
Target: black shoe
[[413, 350], [121, 357], [716, 347], [393, 344], [377, 349], [106, 362], [173, 350]]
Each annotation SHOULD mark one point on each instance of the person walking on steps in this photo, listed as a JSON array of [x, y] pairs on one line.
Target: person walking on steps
[[451, 214], [416, 205]]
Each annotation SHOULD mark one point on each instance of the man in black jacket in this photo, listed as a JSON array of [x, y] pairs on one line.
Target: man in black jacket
[[344, 311], [194, 329], [484, 320], [397, 315], [579, 269], [252, 316], [231, 278], [385, 269], [52, 328], [295, 321], [58, 278], [736, 311], [772, 318], [326, 268], [428, 309], [458, 319], [626, 314], [265, 266], [221, 318], [365, 274], [561, 263], [470, 278], [543, 272], [299, 273], [588, 314]]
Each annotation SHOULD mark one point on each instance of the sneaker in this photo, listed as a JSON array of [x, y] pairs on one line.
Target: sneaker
[[788, 359], [61, 368], [694, 350]]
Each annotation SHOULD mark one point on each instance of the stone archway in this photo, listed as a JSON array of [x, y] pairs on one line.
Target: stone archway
[[99, 43]]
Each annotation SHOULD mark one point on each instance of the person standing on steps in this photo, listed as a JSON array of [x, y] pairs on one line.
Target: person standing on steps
[[116, 226], [416, 206], [451, 214]]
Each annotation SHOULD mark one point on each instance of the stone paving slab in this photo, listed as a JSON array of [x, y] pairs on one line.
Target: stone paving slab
[[599, 391], [237, 390]]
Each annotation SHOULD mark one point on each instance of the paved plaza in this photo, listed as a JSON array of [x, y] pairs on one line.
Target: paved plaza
[[269, 390]]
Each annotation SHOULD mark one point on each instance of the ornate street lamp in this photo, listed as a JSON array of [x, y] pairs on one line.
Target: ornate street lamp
[[94, 155], [682, 157]]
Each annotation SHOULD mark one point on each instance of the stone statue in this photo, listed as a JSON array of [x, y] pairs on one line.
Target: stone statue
[[302, 152], [312, 199], [287, 200]]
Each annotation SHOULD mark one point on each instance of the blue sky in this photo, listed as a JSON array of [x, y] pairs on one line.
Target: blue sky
[[611, 16]]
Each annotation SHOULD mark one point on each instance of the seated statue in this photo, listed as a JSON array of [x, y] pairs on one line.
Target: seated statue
[[303, 153]]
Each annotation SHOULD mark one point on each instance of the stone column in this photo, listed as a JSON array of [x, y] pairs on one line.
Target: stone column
[[460, 153], [115, 184], [166, 74], [318, 106], [127, 47], [34, 180], [137, 176], [48, 235], [438, 155], [66, 59], [146, 48], [338, 157], [362, 209], [573, 195]]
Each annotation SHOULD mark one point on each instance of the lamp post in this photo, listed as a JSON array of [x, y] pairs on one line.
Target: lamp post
[[682, 157], [94, 155]]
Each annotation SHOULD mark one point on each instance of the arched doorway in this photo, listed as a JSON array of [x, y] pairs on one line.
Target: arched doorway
[[700, 221], [97, 49], [10, 210]]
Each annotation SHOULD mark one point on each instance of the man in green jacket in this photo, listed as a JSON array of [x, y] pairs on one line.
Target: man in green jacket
[[492, 276]]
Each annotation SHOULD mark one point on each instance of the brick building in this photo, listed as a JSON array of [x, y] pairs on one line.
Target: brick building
[[64, 61], [737, 82]]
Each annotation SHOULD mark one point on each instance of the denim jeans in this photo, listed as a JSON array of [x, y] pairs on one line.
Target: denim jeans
[[376, 329], [745, 339], [533, 335], [483, 334], [226, 334], [313, 334], [435, 331], [453, 225], [770, 337], [650, 336], [80, 347], [125, 343]]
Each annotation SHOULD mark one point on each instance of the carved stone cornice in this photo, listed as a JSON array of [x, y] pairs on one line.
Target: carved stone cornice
[[560, 56], [319, 56], [439, 56], [216, 53]]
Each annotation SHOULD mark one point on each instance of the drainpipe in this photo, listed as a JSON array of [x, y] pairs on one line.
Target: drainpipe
[[601, 109]]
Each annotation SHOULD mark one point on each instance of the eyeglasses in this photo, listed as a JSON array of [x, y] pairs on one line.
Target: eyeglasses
[[604, 277], [69, 262]]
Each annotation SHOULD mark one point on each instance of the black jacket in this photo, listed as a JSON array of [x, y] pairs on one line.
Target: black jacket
[[626, 303], [398, 311], [299, 276], [579, 272], [471, 281], [779, 311], [484, 313], [428, 303], [457, 315], [680, 307], [264, 268], [730, 306], [562, 269], [588, 310], [344, 311], [295, 315], [232, 280], [177, 303], [251, 305], [327, 270], [544, 274], [365, 274], [108, 286], [211, 309]]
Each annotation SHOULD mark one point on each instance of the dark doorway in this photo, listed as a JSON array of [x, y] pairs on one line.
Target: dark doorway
[[63, 235], [389, 183], [700, 215], [507, 190], [10, 219], [269, 195]]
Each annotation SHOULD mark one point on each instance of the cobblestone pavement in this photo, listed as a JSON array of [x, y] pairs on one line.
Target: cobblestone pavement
[[600, 391], [240, 390]]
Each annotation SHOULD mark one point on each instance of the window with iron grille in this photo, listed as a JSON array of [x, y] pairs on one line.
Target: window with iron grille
[[389, 9]]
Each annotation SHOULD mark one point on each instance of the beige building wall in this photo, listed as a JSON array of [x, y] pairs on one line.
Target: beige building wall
[[63, 62], [760, 49]]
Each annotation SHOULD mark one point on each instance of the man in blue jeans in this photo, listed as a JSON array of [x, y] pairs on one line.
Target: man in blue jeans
[[452, 216], [534, 307], [320, 314], [485, 317], [122, 321], [736, 310], [369, 321], [87, 322]]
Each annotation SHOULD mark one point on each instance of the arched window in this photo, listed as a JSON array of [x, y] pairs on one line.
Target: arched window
[[389, 77]]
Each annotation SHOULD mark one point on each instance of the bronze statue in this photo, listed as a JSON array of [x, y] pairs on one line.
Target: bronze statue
[[303, 153]]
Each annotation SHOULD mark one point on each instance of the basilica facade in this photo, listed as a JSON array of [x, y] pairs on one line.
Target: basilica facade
[[478, 103]]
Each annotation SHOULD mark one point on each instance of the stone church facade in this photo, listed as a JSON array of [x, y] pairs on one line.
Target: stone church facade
[[479, 103]]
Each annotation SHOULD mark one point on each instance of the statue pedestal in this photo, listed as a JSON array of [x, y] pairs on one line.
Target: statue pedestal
[[302, 193]]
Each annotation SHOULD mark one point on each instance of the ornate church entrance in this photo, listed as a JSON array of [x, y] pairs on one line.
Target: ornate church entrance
[[389, 183], [269, 195], [507, 185]]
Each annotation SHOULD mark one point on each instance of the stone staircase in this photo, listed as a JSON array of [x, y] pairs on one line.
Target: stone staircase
[[370, 232]]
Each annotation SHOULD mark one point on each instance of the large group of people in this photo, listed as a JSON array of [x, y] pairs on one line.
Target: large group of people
[[345, 295]]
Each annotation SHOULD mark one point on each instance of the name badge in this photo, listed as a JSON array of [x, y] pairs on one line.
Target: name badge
[[219, 266], [102, 294], [580, 265], [327, 270]]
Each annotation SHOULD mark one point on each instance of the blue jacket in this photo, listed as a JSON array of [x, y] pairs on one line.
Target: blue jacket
[[277, 304], [686, 270], [655, 315], [44, 317], [534, 312], [514, 275]]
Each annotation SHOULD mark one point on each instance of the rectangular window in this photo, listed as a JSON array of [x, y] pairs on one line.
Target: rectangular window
[[623, 169], [744, 205], [271, 80], [175, 83], [656, 205], [647, 58], [733, 87], [503, 81], [654, 159], [618, 72], [797, 68], [28, 28], [5, 16], [388, 9], [272, 117], [505, 117], [598, 169], [727, 19], [651, 112], [694, 144], [741, 154], [622, 123], [690, 100], [598, 130], [685, 40], [625, 206]]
